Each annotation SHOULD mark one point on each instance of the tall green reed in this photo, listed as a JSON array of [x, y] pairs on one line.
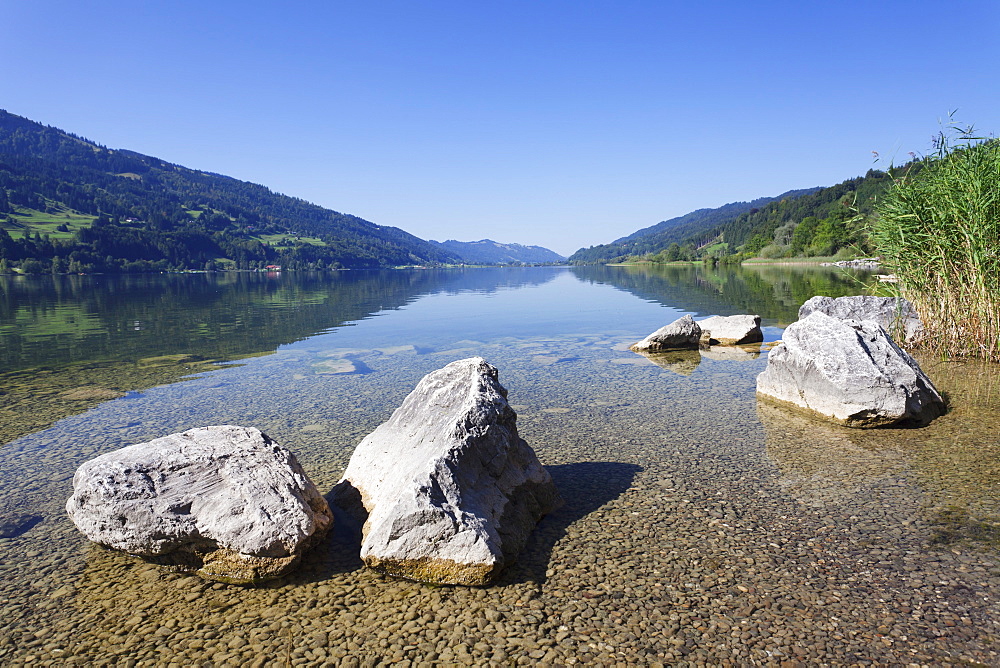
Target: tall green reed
[[937, 229]]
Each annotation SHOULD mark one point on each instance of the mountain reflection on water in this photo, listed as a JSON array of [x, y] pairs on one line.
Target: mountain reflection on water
[[61, 319], [774, 292], [69, 342]]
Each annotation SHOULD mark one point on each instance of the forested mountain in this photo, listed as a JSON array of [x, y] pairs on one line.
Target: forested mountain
[[486, 251], [817, 221], [690, 229], [69, 204]]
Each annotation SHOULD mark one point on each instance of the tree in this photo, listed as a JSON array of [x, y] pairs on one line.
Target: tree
[[754, 244], [32, 266], [803, 234], [830, 235]]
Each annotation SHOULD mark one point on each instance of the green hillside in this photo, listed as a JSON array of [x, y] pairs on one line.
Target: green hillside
[[691, 230], [69, 204], [800, 223]]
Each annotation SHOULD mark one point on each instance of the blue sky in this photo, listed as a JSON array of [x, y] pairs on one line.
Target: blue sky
[[561, 124]]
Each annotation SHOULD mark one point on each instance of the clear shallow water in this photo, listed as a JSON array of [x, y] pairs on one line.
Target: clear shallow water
[[699, 525]]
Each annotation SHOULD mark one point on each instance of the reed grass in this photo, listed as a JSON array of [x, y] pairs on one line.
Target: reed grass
[[937, 229]]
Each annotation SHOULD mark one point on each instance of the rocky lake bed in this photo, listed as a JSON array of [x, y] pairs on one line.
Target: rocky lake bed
[[700, 526]]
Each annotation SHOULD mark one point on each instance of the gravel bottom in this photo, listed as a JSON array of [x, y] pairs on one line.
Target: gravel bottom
[[699, 529]]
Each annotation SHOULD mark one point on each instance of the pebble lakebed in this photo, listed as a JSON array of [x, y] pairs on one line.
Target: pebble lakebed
[[699, 528]]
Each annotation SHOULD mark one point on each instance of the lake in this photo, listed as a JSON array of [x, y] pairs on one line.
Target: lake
[[700, 526]]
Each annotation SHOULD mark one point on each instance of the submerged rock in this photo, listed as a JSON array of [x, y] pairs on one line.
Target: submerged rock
[[451, 492], [823, 464], [896, 315], [848, 371], [225, 501], [12, 526], [731, 353], [732, 330], [683, 362], [681, 333], [91, 393]]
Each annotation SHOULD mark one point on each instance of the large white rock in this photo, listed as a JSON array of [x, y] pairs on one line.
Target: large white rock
[[225, 501], [732, 330], [848, 371], [450, 490], [681, 333], [896, 315]]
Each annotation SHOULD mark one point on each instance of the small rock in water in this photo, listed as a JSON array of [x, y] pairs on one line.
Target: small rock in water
[[450, 490], [549, 360], [681, 333], [338, 365], [732, 330]]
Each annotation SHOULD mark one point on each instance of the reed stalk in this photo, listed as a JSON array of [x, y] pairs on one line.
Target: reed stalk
[[938, 230]]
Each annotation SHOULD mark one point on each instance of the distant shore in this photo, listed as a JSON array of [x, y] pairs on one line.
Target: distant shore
[[805, 261]]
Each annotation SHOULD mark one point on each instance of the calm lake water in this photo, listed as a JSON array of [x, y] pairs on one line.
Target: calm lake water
[[700, 526]]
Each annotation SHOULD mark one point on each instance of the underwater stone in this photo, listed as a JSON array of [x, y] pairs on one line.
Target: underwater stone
[[681, 333], [448, 491]]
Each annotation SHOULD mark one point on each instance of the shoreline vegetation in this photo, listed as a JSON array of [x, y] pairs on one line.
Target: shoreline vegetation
[[807, 261], [939, 231]]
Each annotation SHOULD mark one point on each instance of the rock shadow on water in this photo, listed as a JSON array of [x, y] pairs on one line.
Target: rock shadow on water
[[585, 487], [683, 362], [339, 552]]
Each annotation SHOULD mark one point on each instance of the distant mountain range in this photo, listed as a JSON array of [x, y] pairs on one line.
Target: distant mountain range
[[68, 204], [487, 251]]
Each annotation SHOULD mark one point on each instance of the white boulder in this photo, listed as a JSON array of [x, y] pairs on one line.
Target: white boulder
[[732, 330], [681, 333], [896, 315], [225, 501], [848, 371], [450, 490]]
